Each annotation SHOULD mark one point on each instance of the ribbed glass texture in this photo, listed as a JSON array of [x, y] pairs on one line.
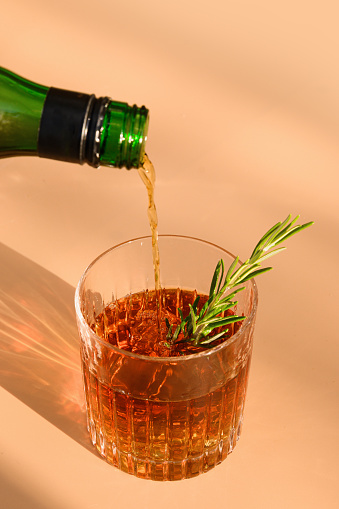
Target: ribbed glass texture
[[21, 104], [162, 418], [124, 134]]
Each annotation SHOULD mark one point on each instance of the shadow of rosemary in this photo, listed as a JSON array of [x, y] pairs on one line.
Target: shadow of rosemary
[[39, 351]]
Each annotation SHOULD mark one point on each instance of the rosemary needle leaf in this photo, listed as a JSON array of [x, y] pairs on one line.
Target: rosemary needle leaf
[[181, 314], [272, 253], [169, 327], [255, 274], [208, 340], [193, 319], [244, 270], [231, 269], [204, 308], [222, 322], [221, 275], [230, 296], [195, 304], [215, 278]]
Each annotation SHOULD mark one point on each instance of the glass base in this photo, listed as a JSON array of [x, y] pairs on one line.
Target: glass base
[[165, 470]]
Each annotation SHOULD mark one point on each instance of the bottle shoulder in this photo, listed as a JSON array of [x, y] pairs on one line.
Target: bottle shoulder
[[9, 79]]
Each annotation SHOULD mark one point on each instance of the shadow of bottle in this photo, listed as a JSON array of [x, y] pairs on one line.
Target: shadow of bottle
[[39, 353]]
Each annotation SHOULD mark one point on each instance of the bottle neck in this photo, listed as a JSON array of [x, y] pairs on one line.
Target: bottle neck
[[81, 128], [70, 126]]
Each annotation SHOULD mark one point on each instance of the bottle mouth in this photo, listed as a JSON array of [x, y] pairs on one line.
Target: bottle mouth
[[118, 140], [144, 130], [134, 140], [122, 135]]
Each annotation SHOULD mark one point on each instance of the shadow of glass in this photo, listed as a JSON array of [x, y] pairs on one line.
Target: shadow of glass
[[39, 351]]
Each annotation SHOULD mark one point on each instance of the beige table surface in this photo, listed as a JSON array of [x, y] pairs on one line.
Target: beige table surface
[[244, 130]]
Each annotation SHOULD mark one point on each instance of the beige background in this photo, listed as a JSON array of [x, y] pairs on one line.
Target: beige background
[[244, 130]]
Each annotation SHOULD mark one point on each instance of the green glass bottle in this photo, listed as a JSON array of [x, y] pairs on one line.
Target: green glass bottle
[[69, 126]]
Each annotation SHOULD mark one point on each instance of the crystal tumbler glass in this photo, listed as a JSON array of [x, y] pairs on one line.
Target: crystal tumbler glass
[[160, 418]]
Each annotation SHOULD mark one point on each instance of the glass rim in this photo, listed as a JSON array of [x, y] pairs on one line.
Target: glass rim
[[245, 324]]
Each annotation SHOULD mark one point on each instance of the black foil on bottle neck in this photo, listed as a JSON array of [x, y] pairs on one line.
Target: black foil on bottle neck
[[63, 122], [70, 126]]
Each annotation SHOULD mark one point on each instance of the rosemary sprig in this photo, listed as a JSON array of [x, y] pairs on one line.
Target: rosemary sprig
[[196, 327]]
